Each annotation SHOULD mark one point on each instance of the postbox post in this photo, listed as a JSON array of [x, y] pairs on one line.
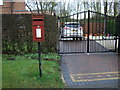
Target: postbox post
[[39, 58], [38, 35]]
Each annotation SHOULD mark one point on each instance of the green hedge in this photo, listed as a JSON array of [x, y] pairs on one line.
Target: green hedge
[[17, 34]]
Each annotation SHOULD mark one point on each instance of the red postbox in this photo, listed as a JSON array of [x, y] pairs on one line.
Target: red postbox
[[38, 27]]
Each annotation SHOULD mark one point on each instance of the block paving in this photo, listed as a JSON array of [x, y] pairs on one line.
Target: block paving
[[91, 70]]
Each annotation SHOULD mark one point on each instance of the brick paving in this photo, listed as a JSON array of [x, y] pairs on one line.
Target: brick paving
[[91, 70]]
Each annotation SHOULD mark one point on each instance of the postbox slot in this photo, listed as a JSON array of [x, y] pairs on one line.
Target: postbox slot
[[38, 20]]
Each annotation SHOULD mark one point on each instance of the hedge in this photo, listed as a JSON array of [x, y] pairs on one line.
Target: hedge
[[17, 34]]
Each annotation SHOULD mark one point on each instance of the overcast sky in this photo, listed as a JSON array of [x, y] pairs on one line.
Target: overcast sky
[[1, 2]]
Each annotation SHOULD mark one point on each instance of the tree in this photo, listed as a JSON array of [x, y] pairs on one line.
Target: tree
[[105, 7], [40, 6], [115, 8]]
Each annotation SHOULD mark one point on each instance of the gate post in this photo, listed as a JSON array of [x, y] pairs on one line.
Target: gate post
[[118, 24], [58, 35], [88, 32], [118, 27]]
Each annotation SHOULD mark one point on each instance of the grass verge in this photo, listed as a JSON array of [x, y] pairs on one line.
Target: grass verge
[[23, 71]]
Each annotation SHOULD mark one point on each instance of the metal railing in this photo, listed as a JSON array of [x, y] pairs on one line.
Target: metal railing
[[100, 33]]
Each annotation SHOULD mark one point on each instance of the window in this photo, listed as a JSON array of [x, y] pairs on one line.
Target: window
[[1, 2]]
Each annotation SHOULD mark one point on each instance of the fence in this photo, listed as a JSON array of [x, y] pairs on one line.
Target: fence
[[94, 32]]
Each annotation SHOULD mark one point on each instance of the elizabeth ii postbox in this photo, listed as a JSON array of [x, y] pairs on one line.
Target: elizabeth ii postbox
[[38, 27]]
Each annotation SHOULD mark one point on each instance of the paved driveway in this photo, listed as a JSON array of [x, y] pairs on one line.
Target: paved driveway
[[81, 47], [90, 70]]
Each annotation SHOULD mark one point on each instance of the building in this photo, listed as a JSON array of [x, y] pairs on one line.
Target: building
[[14, 7], [11, 7]]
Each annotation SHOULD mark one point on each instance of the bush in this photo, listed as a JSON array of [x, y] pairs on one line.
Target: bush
[[17, 34]]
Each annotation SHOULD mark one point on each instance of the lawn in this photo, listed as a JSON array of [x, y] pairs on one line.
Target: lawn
[[23, 72]]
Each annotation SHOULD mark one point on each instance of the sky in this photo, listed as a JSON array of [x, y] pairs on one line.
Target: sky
[[1, 2]]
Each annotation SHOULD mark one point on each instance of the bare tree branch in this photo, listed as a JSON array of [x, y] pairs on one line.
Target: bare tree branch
[[37, 7], [28, 7]]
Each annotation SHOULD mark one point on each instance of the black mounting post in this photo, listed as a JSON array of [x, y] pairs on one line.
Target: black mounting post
[[119, 45], [39, 58], [88, 31], [118, 24]]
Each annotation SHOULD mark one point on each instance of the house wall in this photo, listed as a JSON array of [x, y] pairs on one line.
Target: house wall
[[9, 7], [6, 7], [95, 28], [19, 6]]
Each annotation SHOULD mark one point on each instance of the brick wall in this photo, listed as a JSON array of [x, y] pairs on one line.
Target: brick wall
[[95, 28], [6, 7], [9, 7], [19, 6]]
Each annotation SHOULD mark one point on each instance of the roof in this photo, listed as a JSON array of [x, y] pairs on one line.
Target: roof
[[72, 22]]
